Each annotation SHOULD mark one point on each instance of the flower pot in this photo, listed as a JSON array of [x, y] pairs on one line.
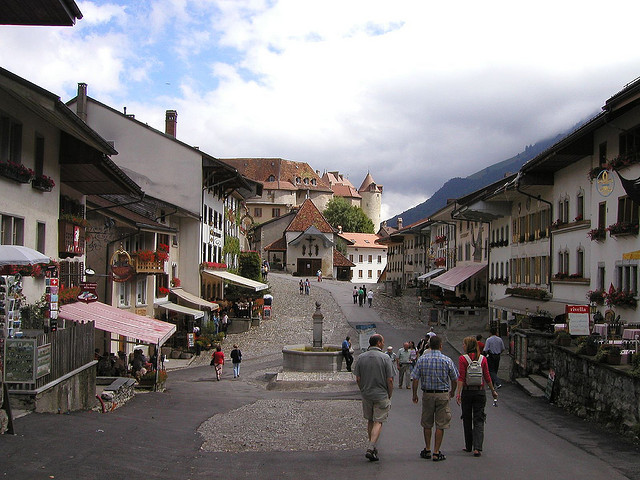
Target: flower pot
[[613, 358], [591, 350]]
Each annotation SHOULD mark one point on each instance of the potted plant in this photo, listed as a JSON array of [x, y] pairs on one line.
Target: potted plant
[[563, 338], [609, 354], [588, 345]]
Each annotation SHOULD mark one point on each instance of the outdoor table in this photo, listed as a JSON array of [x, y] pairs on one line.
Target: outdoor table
[[630, 333], [560, 326], [626, 356], [600, 329]]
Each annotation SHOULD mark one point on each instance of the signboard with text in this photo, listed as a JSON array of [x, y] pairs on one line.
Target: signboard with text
[[578, 319]]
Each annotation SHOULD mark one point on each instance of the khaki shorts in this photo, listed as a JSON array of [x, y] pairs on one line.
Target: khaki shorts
[[435, 408], [377, 411]]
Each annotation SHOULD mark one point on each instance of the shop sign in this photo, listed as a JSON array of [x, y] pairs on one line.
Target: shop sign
[[121, 266], [605, 183], [578, 318], [88, 292], [191, 340]]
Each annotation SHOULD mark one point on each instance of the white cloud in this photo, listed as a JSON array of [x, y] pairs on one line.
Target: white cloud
[[416, 92]]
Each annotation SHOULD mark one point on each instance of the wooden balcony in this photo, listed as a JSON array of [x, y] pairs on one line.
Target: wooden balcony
[[71, 239], [153, 266]]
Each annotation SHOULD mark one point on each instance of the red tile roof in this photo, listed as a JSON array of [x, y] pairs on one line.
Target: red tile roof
[[339, 260], [369, 185], [362, 240], [294, 173], [307, 216], [279, 245]]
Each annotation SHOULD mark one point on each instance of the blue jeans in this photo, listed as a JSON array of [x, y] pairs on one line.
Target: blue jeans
[[236, 370]]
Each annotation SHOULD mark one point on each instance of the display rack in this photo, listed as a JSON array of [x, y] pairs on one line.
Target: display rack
[[10, 303]]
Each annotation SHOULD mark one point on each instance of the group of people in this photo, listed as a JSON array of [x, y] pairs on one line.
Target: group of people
[[110, 365], [439, 379], [217, 361], [305, 286], [361, 295]]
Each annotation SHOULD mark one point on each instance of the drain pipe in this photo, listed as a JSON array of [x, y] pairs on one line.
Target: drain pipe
[[540, 199]]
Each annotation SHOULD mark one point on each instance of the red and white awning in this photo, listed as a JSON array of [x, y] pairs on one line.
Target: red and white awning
[[118, 321], [454, 277]]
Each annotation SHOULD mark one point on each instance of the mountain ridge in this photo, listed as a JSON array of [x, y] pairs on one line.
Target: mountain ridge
[[457, 187]]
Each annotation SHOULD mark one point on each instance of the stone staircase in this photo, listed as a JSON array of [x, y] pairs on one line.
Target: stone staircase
[[534, 385]]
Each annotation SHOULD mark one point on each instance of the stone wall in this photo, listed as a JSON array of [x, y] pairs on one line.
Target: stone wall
[[607, 394], [532, 352]]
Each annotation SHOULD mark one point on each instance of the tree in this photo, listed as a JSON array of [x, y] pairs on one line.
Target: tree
[[351, 218]]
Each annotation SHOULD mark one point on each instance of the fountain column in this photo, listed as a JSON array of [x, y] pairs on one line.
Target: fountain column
[[317, 327]]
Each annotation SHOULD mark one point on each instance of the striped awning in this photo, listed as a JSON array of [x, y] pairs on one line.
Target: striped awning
[[119, 321], [454, 277]]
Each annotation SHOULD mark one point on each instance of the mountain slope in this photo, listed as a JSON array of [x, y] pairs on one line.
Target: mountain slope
[[458, 187]]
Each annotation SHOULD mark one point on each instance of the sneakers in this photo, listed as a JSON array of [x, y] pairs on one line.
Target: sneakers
[[372, 455], [425, 454]]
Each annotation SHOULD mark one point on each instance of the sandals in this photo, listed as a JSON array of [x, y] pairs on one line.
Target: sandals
[[425, 453], [372, 455], [438, 457]]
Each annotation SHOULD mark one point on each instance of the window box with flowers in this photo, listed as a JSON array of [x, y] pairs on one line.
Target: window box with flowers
[[623, 228], [441, 239], [598, 234], [440, 262], [149, 261], [535, 293], [43, 183], [164, 291], [596, 296], [16, 171], [213, 266], [565, 277], [596, 171], [624, 160], [175, 282], [620, 298]]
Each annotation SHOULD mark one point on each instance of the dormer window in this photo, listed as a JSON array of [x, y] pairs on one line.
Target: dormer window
[[271, 178], [313, 181], [297, 179], [306, 181]]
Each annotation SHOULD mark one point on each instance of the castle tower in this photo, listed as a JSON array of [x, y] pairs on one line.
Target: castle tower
[[371, 194]]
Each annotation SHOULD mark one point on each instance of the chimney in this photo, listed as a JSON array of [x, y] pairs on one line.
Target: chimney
[[171, 122], [399, 223], [340, 229], [81, 105], [384, 224]]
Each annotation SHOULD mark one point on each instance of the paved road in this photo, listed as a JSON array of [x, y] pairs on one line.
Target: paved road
[[154, 436]]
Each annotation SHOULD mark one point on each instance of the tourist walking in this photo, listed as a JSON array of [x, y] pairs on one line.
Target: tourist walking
[[307, 287], [360, 297], [370, 297], [413, 354], [301, 287], [355, 294], [374, 376], [472, 380], [347, 352], [319, 275], [236, 358], [404, 365], [217, 360], [437, 376], [493, 348], [224, 322], [394, 359]]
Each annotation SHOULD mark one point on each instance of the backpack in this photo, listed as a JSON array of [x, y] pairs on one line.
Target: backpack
[[474, 371]]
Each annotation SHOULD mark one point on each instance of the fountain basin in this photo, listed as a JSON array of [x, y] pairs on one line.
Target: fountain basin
[[305, 358]]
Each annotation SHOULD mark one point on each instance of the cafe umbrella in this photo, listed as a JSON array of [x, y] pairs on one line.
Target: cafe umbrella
[[19, 255]]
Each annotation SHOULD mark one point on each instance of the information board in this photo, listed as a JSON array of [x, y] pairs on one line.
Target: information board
[[364, 332], [43, 360], [19, 360], [578, 318]]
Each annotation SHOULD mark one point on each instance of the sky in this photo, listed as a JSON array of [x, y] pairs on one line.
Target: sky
[[415, 92]]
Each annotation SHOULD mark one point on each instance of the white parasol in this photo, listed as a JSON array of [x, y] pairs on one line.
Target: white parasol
[[18, 255]]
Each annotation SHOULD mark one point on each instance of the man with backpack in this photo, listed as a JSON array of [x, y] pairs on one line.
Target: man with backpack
[[473, 375]]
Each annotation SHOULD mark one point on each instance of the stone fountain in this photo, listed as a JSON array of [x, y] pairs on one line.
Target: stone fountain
[[313, 358]]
